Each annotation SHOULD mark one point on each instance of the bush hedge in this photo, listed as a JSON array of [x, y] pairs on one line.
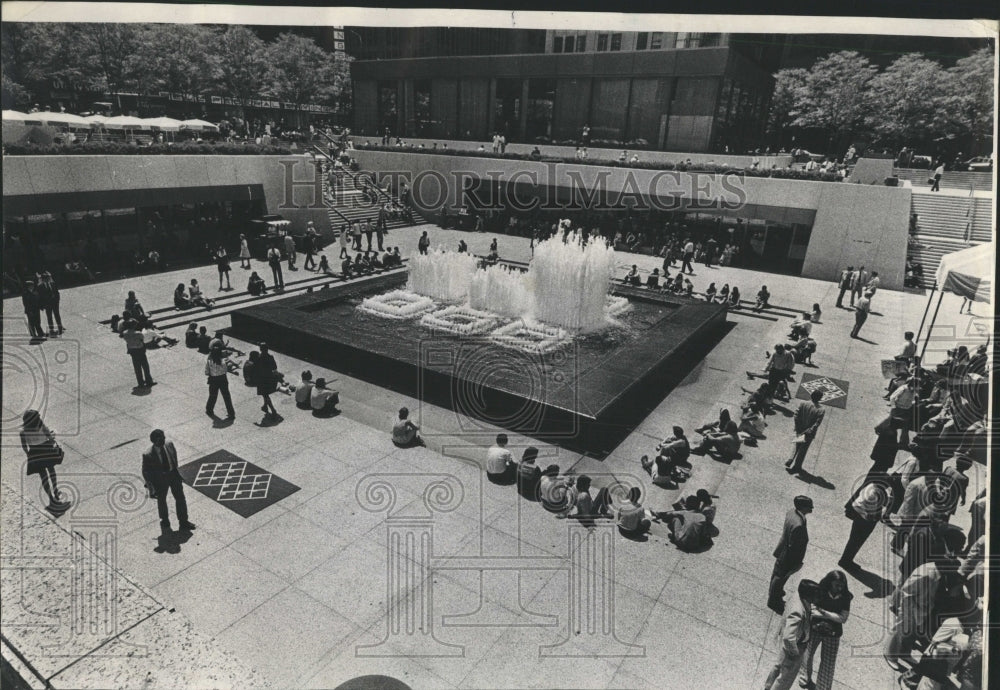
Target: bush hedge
[[117, 148], [776, 173]]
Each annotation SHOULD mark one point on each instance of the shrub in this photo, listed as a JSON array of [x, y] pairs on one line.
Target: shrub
[[120, 148]]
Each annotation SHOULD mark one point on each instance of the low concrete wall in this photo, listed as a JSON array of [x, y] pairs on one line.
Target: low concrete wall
[[597, 153], [851, 223], [27, 175]]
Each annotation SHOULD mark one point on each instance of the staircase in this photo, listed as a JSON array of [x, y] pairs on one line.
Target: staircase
[[346, 203], [947, 224], [956, 179]]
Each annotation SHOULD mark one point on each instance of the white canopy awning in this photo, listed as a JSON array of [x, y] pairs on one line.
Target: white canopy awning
[[198, 125], [65, 119], [968, 272], [125, 122], [167, 124], [14, 116]]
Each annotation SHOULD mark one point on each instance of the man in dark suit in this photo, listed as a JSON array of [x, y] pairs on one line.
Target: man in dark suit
[[790, 552], [159, 470]]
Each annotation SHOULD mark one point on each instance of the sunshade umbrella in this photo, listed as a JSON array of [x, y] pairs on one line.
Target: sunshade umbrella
[[14, 116], [198, 125], [166, 124], [125, 122], [66, 119]]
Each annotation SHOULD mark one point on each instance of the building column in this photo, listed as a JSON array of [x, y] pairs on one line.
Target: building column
[[491, 115], [522, 124]]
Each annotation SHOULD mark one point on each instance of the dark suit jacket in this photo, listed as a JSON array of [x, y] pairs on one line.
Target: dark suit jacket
[[791, 549], [154, 471]]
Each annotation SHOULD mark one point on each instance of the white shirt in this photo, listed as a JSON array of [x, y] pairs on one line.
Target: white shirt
[[689, 248], [902, 398], [497, 460]]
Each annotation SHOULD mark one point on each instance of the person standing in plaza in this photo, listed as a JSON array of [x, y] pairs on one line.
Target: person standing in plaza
[[244, 252], [901, 410], [844, 284], [865, 510], [807, 420], [135, 345], [356, 235], [790, 552], [48, 297], [688, 256], [830, 611], [342, 239], [861, 310], [858, 283], [423, 243], [32, 310], [368, 230], [795, 635], [161, 474], [290, 251], [218, 380], [39, 444], [274, 261], [309, 242], [222, 263]]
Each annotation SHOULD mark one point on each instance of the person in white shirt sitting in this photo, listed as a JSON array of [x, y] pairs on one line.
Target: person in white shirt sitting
[[404, 432], [303, 394], [194, 294], [632, 518], [323, 400], [500, 465], [801, 327]]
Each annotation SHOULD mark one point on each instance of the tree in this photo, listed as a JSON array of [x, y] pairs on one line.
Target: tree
[[789, 92], [968, 97], [37, 54], [906, 102], [175, 57], [114, 50], [834, 97], [239, 63], [301, 72]]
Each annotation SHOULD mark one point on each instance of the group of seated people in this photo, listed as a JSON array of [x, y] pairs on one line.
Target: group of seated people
[[367, 262], [136, 318], [569, 495], [316, 396], [682, 285], [192, 297]]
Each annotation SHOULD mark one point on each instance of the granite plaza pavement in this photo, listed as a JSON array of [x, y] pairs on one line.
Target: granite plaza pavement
[[296, 595]]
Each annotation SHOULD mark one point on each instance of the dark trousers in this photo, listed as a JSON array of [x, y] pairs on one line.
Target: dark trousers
[[860, 531], [310, 261], [686, 263], [279, 279], [840, 297], [35, 323], [368, 236], [141, 366], [776, 591], [357, 243], [936, 187], [799, 451], [176, 485], [53, 312], [216, 385], [855, 293], [379, 237], [859, 320]]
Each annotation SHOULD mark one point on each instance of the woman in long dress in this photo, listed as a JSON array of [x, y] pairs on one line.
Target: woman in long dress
[[244, 252]]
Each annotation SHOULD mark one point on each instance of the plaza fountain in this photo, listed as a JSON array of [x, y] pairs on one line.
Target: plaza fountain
[[563, 293]]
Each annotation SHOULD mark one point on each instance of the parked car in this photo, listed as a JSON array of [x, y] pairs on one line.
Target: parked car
[[979, 164]]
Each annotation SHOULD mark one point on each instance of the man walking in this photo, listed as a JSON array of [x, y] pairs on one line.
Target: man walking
[[861, 310], [368, 233], [790, 552], [32, 310], [160, 472], [290, 251], [807, 420], [309, 247], [274, 261], [688, 256], [135, 345], [938, 174], [217, 373], [845, 285]]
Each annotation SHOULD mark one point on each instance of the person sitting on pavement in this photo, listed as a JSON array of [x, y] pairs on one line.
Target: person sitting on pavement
[[671, 462], [191, 336], [323, 400], [717, 425], [763, 299], [726, 444], [500, 465], [256, 285], [632, 518], [204, 341], [752, 423], [586, 506], [653, 281], [181, 300], [801, 326], [528, 473], [197, 298], [688, 526], [404, 432], [803, 350], [303, 392], [632, 277]]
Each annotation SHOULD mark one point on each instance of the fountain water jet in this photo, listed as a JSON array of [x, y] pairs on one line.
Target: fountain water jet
[[441, 275], [570, 282]]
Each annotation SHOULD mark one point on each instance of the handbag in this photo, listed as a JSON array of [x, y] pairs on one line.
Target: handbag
[[53, 451]]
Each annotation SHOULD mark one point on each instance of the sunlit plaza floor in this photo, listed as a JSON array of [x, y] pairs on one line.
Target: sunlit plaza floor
[[318, 588]]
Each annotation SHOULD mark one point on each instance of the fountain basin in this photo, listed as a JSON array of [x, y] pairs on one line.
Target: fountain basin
[[586, 396], [460, 320]]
